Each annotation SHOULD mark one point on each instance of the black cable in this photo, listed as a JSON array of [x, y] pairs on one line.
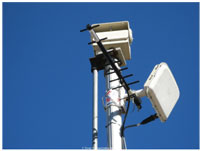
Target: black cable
[[134, 125], [145, 121], [125, 116], [123, 128], [149, 119]]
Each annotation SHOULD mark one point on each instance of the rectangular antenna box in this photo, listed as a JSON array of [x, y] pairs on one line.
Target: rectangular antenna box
[[162, 90], [118, 34]]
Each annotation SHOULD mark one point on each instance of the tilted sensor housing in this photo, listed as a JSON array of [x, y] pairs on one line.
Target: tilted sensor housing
[[118, 34], [162, 90]]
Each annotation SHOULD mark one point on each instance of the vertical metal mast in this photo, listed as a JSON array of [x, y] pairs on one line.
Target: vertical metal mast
[[116, 87], [95, 110], [113, 110]]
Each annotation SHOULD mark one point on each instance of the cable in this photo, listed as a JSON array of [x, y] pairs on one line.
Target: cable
[[145, 121], [124, 121], [124, 143], [134, 125], [132, 111]]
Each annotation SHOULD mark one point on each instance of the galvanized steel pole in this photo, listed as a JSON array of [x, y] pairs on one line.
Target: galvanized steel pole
[[113, 110], [95, 110]]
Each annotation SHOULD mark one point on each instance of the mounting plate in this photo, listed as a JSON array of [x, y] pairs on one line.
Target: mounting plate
[[99, 60]]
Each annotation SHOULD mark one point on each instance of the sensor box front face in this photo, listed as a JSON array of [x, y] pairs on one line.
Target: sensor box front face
[[162, 90], [118, 34]]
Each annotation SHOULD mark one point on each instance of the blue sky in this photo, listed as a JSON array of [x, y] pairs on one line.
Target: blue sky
[[47, 83]]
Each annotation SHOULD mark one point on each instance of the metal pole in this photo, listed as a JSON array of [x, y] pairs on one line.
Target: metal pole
[[95, 110], [113, 110]]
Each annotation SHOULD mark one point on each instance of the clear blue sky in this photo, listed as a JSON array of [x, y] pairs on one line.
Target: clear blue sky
[[47, 83]]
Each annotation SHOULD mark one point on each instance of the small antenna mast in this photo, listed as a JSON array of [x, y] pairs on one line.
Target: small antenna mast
[[111, 53]]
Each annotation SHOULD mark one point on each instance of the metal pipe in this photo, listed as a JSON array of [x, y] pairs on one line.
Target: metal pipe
[[95, 110], [113, 110]]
